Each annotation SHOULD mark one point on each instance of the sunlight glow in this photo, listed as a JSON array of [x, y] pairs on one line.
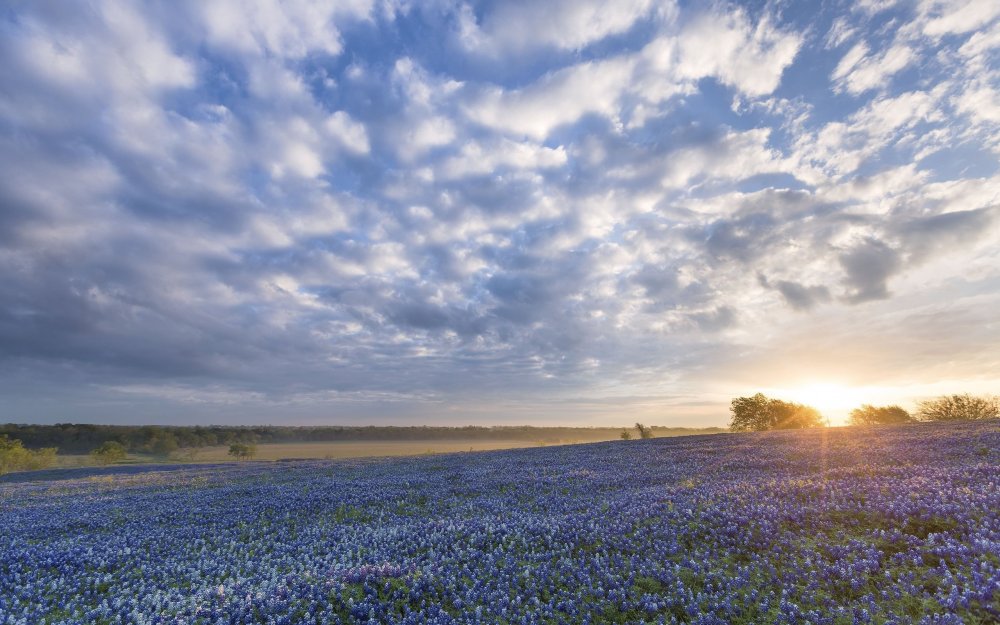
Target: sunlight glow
[[834, 401]]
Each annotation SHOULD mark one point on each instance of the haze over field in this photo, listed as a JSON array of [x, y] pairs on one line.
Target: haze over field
[[439, 212]]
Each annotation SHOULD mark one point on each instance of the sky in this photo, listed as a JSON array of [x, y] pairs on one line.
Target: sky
[[565, 213]]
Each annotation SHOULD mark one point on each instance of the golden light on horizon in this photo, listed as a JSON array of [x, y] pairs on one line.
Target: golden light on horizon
[[834, 401]]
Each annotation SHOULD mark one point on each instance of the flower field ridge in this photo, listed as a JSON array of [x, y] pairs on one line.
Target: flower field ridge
[[832, 526]]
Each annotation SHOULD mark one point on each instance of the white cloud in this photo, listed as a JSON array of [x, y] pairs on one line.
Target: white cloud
[[748, 57], [476, 158], [840, 31], [735, 156], [945, 17], [429, 133], [751, 58], [558, 98], [348, 132], [858, 71], [982, 103], [839, 147], [515, 27], [290, 29], [979, 46]]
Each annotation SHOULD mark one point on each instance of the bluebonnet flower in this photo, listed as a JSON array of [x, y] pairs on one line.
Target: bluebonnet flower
[[789, 527]]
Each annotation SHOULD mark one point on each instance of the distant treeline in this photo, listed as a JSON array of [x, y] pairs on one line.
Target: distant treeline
[[72, 438]]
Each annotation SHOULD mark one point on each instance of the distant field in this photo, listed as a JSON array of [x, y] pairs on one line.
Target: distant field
[[326, 451], [355, 449]]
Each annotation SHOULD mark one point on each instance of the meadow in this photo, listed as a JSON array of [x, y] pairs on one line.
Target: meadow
[[311, 450], [886, 525]]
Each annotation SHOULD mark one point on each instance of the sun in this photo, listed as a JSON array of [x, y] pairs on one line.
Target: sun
[[834, 401]]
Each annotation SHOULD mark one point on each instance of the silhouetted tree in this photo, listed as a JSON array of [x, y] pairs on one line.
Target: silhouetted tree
[[759, 413], [879, 415], [958, 408], [750, 414], [644, 432]]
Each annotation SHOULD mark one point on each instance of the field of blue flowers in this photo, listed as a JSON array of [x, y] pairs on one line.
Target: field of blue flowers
[[880, 525]]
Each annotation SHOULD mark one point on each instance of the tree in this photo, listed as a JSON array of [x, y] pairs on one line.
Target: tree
[[879, 415], [791, 416], [109, 453], [759, 413], [959, 407], [242, 451], [750, 414], [644, 432], [626, 435], [163, 444], [14, 457]]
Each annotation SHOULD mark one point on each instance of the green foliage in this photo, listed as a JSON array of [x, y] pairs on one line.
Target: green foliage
[[14, 457], [759, 413], [242, 451], [109, 453], [163, 444], [879, 415], [959, 408]]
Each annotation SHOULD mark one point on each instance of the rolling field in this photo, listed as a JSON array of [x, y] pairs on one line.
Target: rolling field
[[884, 525]]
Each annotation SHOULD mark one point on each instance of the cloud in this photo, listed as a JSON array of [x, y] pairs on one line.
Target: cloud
[[477, 159], [858, 71], [749, 57], [513, 28], [943, 18], [946, 232], [798, 296], [559, 98], [384, 211], [284, 29], [868, 267]]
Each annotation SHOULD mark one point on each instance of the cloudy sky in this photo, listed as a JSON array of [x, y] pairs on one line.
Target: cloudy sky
[[564, 212]]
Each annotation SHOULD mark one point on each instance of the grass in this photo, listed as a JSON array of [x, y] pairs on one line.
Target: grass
[[327, 450]]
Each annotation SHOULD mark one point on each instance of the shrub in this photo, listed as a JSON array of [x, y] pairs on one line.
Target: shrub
[[109, 452], [14, 457], [875, 415], [626, 435], [959, 408], [242, 451]]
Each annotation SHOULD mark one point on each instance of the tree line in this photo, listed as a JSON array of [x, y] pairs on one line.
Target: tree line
[[759, 412], [82, 438]]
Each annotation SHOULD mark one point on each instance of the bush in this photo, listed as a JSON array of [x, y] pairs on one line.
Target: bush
[[242, 451], [644, 432], [879, 415], [109, 452], [759, 413], [626, 435], [14, 457], [959, 408]]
